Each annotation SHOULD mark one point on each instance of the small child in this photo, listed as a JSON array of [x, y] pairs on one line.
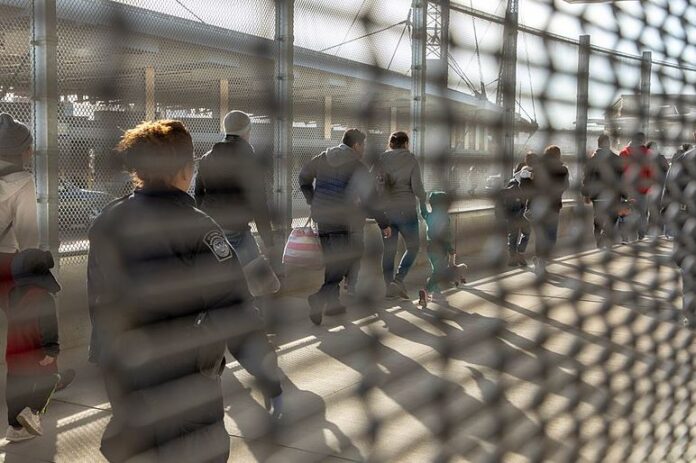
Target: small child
[[26, 295], [440, 250]]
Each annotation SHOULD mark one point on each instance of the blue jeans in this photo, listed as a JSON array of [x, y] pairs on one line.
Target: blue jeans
[[546, 234], [405, 225], [244, 246]]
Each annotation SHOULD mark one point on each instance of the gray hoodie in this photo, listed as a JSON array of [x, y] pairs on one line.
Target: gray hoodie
[[404, 189], [19, 229]]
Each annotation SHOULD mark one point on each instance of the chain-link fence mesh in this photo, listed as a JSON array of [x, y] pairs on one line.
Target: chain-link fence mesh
[[566, 344]]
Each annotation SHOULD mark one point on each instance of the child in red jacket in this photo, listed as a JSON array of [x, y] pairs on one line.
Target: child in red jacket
[[26, 296]]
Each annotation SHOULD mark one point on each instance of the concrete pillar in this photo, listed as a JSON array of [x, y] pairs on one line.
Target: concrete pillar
[[224, 102], [418, 79], [328, 109], [150, 103], [583, 98], [394, 121], [645, 84], [282, 156], [45, 109]]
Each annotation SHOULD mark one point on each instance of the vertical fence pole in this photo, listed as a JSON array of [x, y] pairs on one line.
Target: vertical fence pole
[[645, 84], [150, 103], [282, 156], [224, 102], [45, 109], [508, 87], [583, 99], [328, 117], [418, 79]]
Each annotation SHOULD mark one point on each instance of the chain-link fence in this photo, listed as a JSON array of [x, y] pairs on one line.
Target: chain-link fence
[[579, 357]]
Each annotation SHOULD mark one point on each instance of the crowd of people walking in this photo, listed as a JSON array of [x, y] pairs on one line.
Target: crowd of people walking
[[169, 282]]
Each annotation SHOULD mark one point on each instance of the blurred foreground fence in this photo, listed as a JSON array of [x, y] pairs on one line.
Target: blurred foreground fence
[[475, 89]]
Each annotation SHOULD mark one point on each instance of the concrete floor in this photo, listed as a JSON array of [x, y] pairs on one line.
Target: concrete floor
[[589, 365]]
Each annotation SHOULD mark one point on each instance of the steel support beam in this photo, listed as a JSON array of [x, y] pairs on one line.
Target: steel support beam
[[508, 87], [150, 102], [645, 84], [328, 117], [418, 79], [45, 109], [224, 102], [282, 155], [583, 98]]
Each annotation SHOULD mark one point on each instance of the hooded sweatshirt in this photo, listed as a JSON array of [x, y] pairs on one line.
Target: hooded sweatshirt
[[19, 229], [339, 188], [403, 189]]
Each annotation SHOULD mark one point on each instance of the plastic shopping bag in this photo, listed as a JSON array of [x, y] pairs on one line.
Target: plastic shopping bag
[[303, 248]]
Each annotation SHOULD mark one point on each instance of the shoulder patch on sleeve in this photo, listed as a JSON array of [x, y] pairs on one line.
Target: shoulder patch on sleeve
[[219, 245]]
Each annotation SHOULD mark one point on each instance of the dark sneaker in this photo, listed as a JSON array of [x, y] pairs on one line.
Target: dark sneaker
[[513, 260], [335, 310], [521, 261], [393, 291], [316, 309], [274, 406], [403, 294], [66, 379], [423, 298]]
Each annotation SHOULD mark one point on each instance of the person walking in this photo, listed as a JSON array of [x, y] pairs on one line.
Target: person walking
[[639, 176], [401, 194], [680, 212], [230, 188], [667, 198], [551, 180], [338, 188], [513, 204], [601, 186], [26, 291], [167, 293]]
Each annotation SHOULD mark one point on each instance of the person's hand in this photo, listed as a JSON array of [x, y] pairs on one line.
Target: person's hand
[[387, 232], [47, 360]]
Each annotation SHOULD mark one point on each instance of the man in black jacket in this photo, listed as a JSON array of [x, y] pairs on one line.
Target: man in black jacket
[[338, 187], [230, 187], [601, 184]]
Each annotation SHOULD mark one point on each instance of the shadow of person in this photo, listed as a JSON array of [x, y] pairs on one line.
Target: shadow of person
[[485, 341], [300, 435], [440, 405]]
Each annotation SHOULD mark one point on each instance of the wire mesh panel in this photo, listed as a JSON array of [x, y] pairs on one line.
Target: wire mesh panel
[[16, 61], [569, 335]]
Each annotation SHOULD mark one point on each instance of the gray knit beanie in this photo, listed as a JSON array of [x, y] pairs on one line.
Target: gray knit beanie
[[237, 123], [15, 137]]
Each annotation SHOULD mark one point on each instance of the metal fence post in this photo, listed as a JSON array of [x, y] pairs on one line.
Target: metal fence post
[[645, 84], [582, 98], [282, 156], [418, 79], [508, 87], [45, 108]]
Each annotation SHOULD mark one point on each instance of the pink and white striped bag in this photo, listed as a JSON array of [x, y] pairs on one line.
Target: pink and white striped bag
[[303, 248]]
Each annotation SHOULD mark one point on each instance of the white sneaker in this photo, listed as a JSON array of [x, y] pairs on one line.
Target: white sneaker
[[18, 434], [31, 421]]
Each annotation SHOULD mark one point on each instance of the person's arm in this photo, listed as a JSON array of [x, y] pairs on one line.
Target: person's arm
[[224, 294], [199, 189], [25, 220], [48, 323], [307, 176], [418, 188], [362, 189], [256, 188]]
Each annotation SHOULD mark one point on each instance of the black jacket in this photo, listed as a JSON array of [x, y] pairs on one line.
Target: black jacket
[[602, 176], [339, 189], [230, 187], [156, 266], [551, 180], [165, 292]]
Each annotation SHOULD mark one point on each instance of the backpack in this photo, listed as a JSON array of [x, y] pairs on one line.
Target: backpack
[[384, 184], [510, 200]]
